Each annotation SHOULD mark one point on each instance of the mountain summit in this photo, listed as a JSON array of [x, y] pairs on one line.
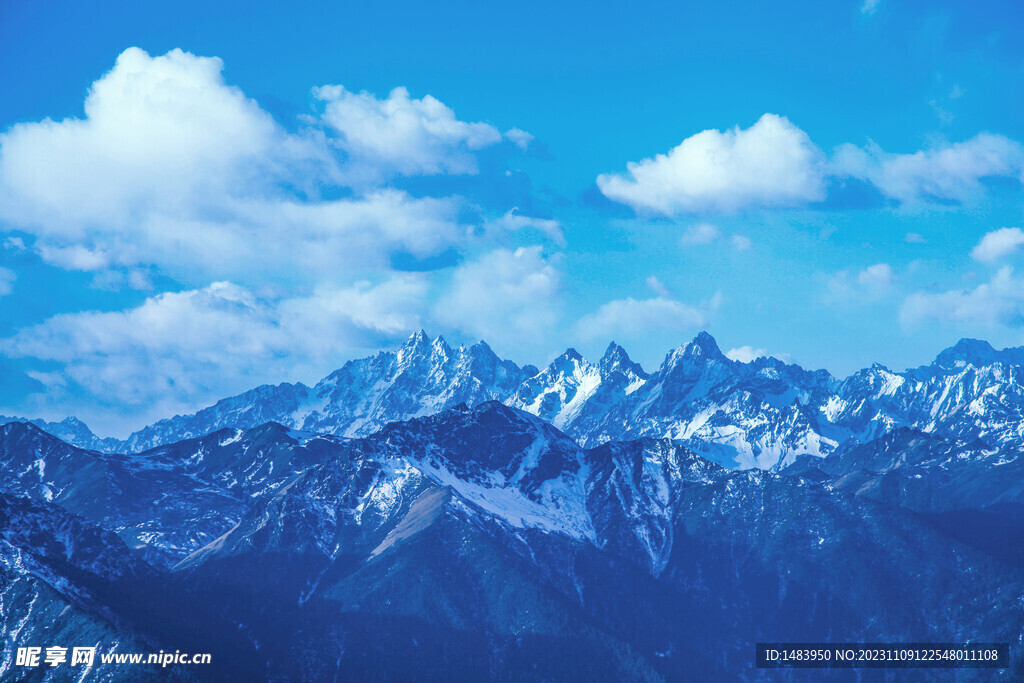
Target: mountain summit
[[762, 414]]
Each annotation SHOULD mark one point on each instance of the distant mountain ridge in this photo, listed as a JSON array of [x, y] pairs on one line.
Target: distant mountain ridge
[[762, 414]]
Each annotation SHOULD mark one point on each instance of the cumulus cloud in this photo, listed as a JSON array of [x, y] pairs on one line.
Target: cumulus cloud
[[174, 168], [997, 244], [914, 238], [627, 317], [181, 350], [403, 135], [746, 354], [157, 130], [773, 163], [997, 302], [503, 296], [948, 172]]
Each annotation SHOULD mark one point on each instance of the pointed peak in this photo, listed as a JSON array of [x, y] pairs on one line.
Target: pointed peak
[[441, 345], [572, 354], [614, 351], [416, 346], [615, 357], [481, 350], [417, 338], [703, 345], [568, 361]]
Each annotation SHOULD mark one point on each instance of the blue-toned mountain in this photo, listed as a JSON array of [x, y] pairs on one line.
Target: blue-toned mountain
[[482, 541], [763, 414]]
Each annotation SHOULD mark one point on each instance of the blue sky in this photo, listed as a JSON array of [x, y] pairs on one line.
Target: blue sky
[[198, 198]]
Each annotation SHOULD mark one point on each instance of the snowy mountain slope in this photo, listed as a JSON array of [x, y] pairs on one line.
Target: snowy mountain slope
[[421, 378], [573, 391], [763, 414], [483, 540], [748, 415]]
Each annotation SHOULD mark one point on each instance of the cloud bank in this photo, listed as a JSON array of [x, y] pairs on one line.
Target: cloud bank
[[771, 164]]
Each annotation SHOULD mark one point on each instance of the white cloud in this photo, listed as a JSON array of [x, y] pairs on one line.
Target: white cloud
[[7, 278], [746, 354], [949, 172], [158, 130], [182, 350], [997, 244], [869, 6], [520, 138], [701, 233], [503, 296], [403, 135], [867, 286], [331, 314], [659, 287], [513, 221], [172, 167], [627, 317], [914, 238], [773, 163], [997, 302]]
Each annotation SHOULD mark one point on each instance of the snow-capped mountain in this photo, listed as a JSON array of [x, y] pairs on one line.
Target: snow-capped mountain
[[573, 391], [763, 414], [421, 378], [483, 539], [738, 414]]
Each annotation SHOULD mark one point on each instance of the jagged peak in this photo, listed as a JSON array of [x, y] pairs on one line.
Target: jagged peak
[[417, 339], [440, 346], [616, 356], [705, 342], [416, 345], [572, 354], [614, 352], [482, 347], [703, 346], [568, 361]]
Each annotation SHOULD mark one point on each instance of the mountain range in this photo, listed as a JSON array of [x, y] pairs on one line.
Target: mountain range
[[764, 414], [440, 513]]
